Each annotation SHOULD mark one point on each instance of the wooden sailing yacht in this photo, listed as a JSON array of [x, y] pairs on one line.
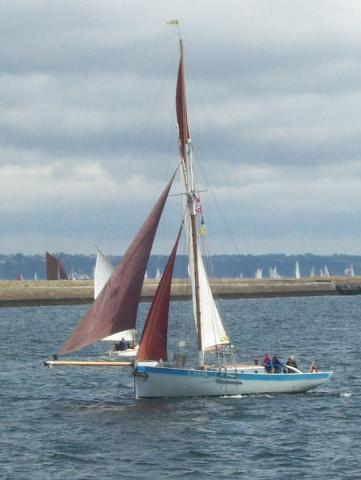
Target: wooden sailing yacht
[[115, 308]]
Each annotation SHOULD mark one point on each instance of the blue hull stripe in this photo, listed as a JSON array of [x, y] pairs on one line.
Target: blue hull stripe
[[269, 377]]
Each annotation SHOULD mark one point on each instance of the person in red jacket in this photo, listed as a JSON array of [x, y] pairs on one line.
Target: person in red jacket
[[267, 363]]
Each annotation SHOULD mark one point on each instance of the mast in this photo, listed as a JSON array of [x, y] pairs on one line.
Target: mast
[[196, 288], [185, 149]]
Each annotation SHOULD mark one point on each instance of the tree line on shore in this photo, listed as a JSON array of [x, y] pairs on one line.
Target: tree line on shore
[[222, 266]]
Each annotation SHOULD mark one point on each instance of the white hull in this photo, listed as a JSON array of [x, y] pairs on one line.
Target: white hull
[[128, 354], [157, 381]]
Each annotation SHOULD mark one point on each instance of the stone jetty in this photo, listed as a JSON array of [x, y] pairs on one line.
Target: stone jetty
[[42, 292]]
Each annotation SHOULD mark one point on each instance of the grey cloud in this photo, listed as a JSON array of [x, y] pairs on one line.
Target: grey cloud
[[273, 92]]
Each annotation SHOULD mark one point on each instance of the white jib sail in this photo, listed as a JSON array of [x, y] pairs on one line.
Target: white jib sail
[[213, 332], [102, 272]]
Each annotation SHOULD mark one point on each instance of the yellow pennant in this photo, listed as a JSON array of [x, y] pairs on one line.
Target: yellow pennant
[[173, 22]]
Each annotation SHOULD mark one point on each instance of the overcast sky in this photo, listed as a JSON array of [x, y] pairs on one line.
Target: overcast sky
[[87, 122]]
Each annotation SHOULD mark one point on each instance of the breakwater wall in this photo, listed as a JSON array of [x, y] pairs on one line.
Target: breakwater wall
[[39, 292]]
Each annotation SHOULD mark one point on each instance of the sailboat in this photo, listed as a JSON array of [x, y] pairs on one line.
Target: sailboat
[[326, 273], [124, 344], [115, 307], [349, 271], [157, 274], [258, 274], [72, 275], [297, 270], [54, 268], [273, 274]]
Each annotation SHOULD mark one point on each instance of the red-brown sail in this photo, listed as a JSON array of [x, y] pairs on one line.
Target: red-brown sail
[[181, 108], [115, 309], [62, 273], [52, 267], [153, 344]]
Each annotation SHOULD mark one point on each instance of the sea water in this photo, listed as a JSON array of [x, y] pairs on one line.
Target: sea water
[[83, 423]]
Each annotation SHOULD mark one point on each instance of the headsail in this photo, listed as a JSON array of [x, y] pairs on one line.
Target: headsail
[[102, 272], [115, 309], [212, 331], [153, 344]]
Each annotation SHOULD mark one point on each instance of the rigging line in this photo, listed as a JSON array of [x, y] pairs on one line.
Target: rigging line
[[219, 159], [138, 143], [220, 212]]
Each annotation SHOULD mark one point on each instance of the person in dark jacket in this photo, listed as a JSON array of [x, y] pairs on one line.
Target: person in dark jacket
[[122, 345], [292, 363], [277, 364]]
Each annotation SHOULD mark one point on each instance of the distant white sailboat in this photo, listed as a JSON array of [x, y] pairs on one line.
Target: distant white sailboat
[[312, 274], [297, 270], [157, 274], [72, 275], [326, 273], [273, 274], [349, 271], [259, 273]]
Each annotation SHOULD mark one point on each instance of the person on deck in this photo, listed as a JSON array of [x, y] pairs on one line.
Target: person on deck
[[267, 363], [277, 364], [122, 345], [292, 363]]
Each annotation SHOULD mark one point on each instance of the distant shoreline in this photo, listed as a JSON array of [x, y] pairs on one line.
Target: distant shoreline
[[15, 293]]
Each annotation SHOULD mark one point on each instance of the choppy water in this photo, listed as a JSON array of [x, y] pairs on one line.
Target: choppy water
[[85, 424]]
